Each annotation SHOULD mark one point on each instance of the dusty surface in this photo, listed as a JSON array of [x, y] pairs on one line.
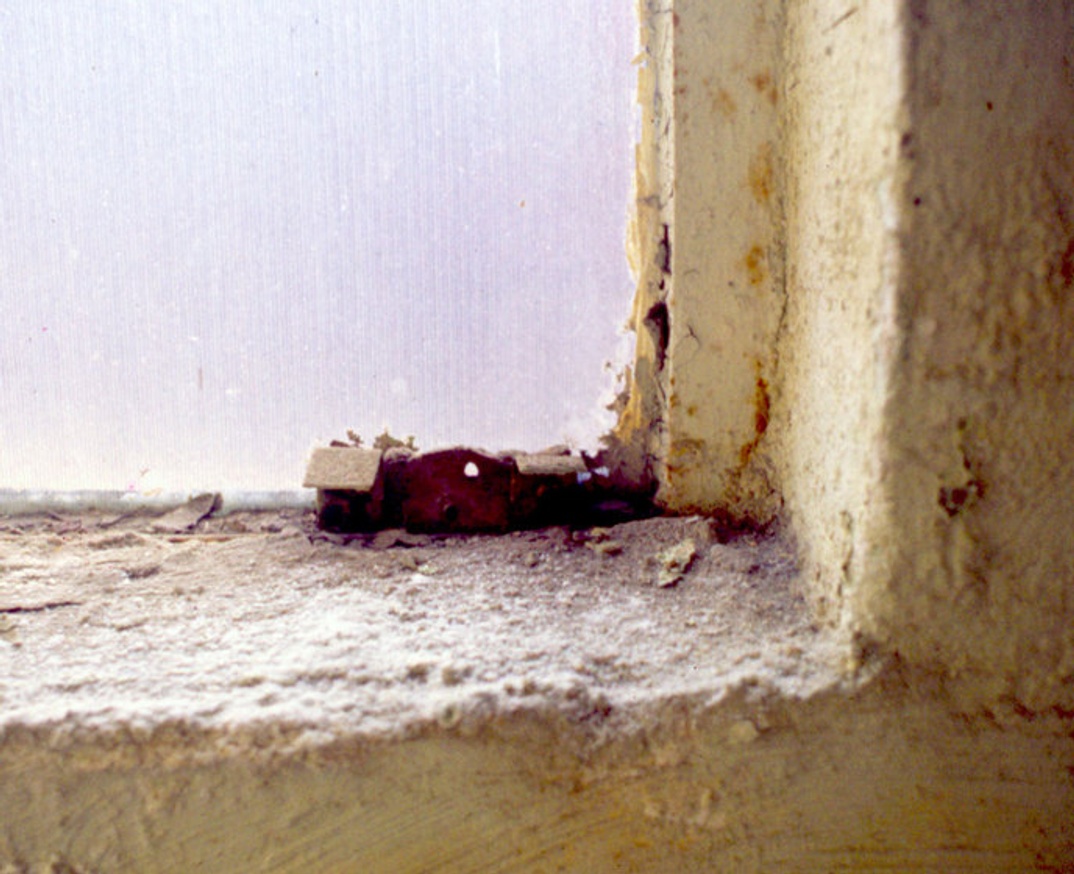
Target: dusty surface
[[250, 695], [260, 618]]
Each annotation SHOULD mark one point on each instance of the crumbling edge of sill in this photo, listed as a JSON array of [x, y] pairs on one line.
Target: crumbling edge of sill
[[579, 728]]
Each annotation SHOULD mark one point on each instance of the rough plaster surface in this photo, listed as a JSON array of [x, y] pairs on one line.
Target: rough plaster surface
[[755, 785], [249, 699], [893, 360], [242, 697], [923, 417], [841, 136], [134, 623], [926, 418], [981, 420]]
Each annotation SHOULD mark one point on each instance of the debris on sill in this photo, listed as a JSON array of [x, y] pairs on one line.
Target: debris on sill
[[242, 632], [675, 562], [395, 487], [186, 517]]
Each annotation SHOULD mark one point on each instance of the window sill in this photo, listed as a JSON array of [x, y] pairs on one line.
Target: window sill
[[243, 697], [258, 620]]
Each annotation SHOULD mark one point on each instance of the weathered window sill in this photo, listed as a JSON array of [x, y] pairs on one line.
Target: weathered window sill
[[257, 620], [255, 695]]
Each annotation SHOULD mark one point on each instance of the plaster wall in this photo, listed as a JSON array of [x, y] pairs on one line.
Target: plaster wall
[[893, 370], [842, 99], [978, 568], [635, 448]]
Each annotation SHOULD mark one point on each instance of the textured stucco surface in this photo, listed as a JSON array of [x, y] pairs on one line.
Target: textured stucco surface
[[254, 696], [637, 444], [841, 133], [130, 623], [980, 424], [228, 693], [924, 406]]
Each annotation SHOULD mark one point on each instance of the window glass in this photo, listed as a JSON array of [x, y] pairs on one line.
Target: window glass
[[233, 230]]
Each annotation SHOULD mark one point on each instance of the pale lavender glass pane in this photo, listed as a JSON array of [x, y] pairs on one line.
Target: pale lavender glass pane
[[232, 230]]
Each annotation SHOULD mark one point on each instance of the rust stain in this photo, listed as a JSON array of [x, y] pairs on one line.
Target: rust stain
[[756, 268], [765, 84], [762, 404], [1066, 265], [724, 103], [683, 455], [760, 174], [762, 410]]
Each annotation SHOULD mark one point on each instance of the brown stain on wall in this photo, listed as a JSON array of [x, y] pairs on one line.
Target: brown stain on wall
[[632, 450], [723, 103], [756, 269], [683, 455], [762, 411], [1066, 265], [761, 174], [765, 84]]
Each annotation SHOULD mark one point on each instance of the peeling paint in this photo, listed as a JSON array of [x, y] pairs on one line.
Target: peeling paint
[[633, 449], [689, 429]]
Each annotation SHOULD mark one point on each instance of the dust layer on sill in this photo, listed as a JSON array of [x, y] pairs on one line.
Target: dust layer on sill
[[258, 619]]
